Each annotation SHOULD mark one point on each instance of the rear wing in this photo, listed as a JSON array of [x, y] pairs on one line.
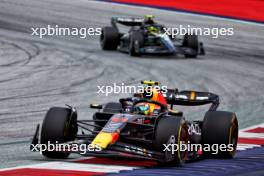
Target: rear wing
[[127, 21], [192, 98]]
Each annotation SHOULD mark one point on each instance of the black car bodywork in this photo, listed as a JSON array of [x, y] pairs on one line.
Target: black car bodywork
[[141, 136], [139, 40]]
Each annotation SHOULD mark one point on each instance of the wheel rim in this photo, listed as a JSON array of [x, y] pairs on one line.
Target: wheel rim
[[233, 137], [183, 139]]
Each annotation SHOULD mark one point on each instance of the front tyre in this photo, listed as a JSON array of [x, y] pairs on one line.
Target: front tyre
[[59, 125]]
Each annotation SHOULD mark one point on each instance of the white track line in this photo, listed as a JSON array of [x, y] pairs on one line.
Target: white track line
[[82, 167], [241, 147], [71, 165], [251, 135]]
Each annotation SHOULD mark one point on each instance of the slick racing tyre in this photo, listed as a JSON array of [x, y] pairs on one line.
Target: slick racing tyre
[[172, 130], [136, 42], [191, 41], [59, 125], [220, 128], [109, 38]]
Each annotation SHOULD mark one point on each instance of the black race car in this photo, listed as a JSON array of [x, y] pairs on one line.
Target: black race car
[[147, 37], [143, 126]]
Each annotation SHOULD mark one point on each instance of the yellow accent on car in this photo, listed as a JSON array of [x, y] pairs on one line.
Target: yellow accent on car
[[149, 16], [179, 142], [230, 135], [157, 83], [155, 98], [152, 29], [102, 140], [192, 96]]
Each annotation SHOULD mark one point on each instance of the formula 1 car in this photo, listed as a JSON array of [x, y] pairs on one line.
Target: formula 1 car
[[143, 126], [147, 37]]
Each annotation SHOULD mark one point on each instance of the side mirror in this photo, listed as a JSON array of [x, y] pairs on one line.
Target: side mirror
[[96, 106]]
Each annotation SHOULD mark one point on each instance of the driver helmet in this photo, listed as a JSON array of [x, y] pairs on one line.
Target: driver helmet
[[149, 19], [153, 29], [142, 108]]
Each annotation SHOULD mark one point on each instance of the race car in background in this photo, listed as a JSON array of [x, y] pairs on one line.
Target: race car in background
[[140, 126], [147, 37]]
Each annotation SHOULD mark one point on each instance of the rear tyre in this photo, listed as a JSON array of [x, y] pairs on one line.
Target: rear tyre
[[220, 128], [172, 130], [136, 42], [109, 38], [59, 125], [191, 41]]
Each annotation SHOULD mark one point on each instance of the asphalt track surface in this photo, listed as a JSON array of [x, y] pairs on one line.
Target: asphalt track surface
[[36, 74]]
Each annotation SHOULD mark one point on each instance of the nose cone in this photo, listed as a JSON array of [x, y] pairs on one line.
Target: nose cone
[[103, 139]]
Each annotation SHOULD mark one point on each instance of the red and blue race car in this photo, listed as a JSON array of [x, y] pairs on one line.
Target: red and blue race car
[[145, 126]]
